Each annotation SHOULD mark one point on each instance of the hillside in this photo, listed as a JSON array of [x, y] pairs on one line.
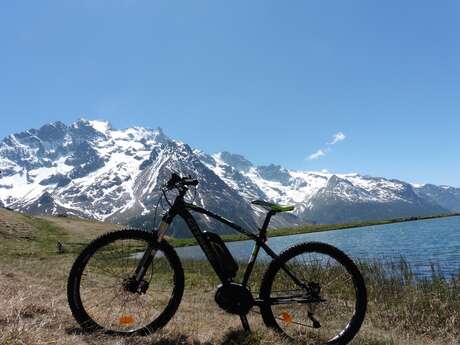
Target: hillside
[[23, 235]]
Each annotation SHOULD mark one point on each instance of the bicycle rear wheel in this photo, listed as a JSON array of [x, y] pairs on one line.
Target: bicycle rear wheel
[[331, 305], [100, 292]]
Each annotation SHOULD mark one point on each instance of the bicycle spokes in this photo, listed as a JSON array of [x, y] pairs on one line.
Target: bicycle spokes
[[110, 293], [320, 310]]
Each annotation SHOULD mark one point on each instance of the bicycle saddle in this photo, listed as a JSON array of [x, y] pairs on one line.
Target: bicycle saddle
[[273, 207]]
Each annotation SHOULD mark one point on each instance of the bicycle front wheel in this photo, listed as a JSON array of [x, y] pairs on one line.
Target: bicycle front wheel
[[329, 305], [101, 291]]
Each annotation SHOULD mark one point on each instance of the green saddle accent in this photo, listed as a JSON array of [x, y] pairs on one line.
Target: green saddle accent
[[273, 207]]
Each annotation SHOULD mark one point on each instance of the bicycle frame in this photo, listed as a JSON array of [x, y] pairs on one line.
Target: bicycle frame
[[181, 208]]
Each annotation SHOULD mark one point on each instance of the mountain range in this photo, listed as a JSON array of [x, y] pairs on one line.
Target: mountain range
[[89, 169]]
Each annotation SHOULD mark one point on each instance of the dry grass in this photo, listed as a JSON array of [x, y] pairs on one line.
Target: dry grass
[[35, 314], [34, 310], [400, 300]]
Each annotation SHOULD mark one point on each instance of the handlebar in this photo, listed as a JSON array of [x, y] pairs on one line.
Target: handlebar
[[177, 181]]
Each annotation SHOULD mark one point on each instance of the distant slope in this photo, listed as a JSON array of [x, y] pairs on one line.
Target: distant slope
[[14, 226], [322, 197], [445, 196], [25, 235]]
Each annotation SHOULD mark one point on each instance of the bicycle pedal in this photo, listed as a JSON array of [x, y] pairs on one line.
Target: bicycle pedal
[[316, 323]]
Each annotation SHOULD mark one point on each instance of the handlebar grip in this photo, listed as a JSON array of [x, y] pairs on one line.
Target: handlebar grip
[[190, 182]]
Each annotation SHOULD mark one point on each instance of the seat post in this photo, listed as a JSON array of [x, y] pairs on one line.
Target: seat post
[[263, 230]]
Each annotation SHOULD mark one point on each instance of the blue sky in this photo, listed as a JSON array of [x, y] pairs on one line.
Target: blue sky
[[272, 80]]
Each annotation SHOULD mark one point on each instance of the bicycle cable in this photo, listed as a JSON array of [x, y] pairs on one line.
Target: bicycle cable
[[165, 197], [156, 210], [194, 195]]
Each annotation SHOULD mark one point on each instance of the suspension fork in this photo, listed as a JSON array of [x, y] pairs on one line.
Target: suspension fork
[[149, 254]]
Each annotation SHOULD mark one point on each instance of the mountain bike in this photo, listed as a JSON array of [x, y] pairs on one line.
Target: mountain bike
[[132, 281]]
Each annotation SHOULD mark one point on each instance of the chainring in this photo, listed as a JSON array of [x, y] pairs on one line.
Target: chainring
[[234, 298]]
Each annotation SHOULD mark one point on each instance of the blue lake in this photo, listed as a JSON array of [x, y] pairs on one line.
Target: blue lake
[[420, 243]]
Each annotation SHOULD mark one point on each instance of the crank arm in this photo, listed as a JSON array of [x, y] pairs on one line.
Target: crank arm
[[316, 323]]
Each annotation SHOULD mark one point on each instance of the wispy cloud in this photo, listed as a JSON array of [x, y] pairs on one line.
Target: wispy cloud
[[337, 137], [317, 154]]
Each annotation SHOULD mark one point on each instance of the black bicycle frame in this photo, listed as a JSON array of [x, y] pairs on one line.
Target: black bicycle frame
[[181, 208]]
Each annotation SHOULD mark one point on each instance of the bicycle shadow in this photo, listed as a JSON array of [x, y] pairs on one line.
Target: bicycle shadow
[[233, 337], [240, 337]]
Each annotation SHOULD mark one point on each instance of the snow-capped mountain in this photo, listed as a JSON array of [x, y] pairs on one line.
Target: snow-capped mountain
[[331, 198], [93, 170]]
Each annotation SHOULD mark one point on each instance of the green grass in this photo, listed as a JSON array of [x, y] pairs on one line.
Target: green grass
[[39, 241], [43, 233], [47, 234]]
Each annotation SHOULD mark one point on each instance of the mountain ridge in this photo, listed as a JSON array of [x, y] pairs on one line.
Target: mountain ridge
[[92, 170]]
